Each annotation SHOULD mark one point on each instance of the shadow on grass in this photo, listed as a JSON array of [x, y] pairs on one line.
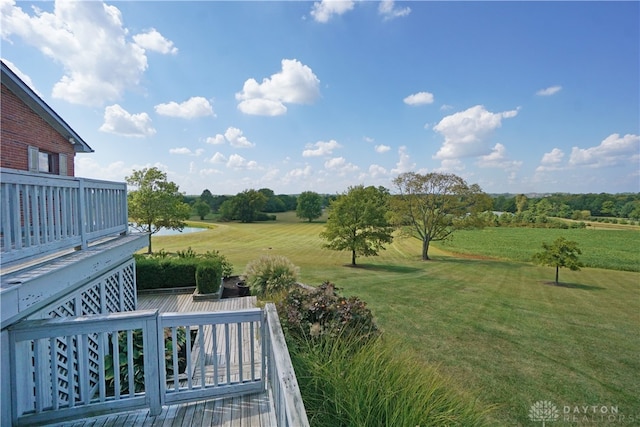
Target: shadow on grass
[[574, 286], [385, 268]]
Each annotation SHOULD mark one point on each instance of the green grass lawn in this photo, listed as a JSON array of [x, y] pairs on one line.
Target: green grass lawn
[[494, 326]]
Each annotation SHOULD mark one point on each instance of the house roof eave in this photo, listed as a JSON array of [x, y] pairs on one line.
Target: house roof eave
[[42, 109]]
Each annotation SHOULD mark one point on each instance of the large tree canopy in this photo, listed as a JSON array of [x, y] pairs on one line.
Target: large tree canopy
[[358, 222], [309, 206], [431, 207], [155, 203]]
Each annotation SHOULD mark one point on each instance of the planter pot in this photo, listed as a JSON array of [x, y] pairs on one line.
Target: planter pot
[[243, 289]]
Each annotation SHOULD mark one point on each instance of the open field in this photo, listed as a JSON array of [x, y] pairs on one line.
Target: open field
[[493, 325]]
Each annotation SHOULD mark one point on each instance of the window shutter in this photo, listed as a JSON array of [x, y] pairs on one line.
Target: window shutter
[[33, 159], [62, 164]]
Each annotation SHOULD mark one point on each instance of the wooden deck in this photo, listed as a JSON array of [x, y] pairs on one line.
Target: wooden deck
[[240, 411]]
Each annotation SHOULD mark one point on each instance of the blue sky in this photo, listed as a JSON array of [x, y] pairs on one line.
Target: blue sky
[[294, 96]]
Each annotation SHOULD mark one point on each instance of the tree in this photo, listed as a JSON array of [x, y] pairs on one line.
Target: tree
[[521, 203], [155, 203], [247, 205], [358, 222], [208, 198], [431, 207], [561, 253], [309, 206], [201, 208]]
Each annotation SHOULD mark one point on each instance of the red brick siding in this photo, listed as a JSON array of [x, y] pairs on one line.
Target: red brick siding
[[20, 128]]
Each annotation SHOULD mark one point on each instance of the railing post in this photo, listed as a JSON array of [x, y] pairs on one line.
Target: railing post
[[152, 363], [82, 209]]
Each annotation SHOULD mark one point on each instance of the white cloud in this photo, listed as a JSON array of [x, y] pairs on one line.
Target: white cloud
[[89, 40], [218, 158], [238, 162], [498, 159], [322, 149], [549, 91], [368, 139], [451, 165], [420, 98], [553, 157], [613, 150], [388, 10], [209, 172], [186, 151], [237, 139], [192, 108], [340, 165], [377, 171], [446, 107], [382, 148], [25, 78], [233, 136], [466, 132], [118, 121], [216, 140], [324, 10], [294, 84], [154, 41], [404, 162], [298, 173]]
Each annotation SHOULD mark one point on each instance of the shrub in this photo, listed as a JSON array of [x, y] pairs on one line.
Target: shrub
[[186, 253], [322, 312], [227, 267], [345, 382], [208, 277], [270, 274]]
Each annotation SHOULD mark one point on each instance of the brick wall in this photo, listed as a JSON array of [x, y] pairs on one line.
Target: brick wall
[[20, 128]]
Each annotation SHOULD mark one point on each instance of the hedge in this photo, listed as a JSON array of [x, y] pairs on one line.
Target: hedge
[[158, 273]]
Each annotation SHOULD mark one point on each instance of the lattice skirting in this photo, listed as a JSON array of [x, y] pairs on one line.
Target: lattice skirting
[[112, 292]]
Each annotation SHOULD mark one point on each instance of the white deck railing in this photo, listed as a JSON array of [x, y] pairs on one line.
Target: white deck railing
[[225, 356], [41, 214]]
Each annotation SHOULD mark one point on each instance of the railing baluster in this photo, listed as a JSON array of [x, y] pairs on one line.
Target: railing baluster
[[102, 390], [130, 371], [174, 353], [227, 351], [203, 354], [187, 369], [239, 352], [115, 351], [39, 392], [53, 358], [214, 333], [83, 368], [71, 385], [253, 352]]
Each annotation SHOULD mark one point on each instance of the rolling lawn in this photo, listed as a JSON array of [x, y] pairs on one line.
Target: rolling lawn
[[485, 318]]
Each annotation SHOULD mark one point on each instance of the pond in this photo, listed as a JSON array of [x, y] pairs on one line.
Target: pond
[[168, 232]]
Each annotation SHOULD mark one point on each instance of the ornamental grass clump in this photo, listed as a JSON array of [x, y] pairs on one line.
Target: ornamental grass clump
[[376, 382], [270, 275]]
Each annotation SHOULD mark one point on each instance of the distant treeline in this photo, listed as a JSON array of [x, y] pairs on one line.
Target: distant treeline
[[576, 206], [571, 206], [275, 202]]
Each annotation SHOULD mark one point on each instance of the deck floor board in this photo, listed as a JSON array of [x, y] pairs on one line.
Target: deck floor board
[[250, 410]]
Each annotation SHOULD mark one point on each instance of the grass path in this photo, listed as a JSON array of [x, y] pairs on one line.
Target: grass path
[[494, 326]]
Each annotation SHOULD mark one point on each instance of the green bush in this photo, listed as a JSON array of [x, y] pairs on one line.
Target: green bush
[[270, 274], [227, 267], [164, 270], [170, 272], [208, 277]]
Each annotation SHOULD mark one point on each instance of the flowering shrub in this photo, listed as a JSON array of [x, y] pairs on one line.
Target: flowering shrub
[[322, 312]]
